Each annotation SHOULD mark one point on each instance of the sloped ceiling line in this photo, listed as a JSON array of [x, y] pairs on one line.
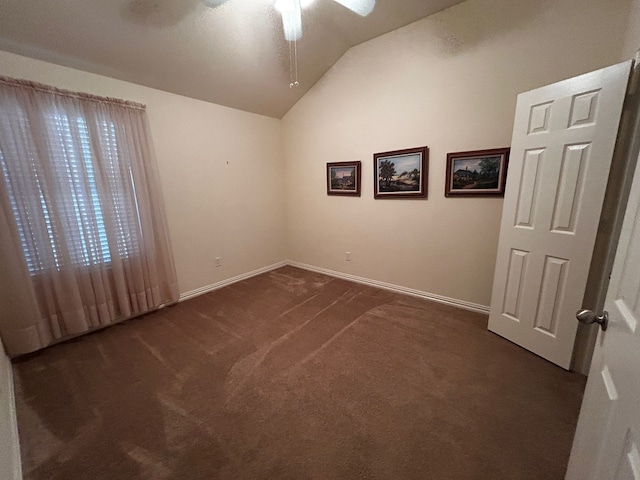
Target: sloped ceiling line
[[234, 55]]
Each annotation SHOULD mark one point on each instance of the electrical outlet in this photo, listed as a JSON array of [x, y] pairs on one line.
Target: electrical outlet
[[218, 261], [347, 256]]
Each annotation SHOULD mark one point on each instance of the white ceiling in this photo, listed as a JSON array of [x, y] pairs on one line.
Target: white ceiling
[[233, 55]]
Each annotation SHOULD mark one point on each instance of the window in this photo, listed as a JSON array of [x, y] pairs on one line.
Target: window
[[82, 221], [78, 208]]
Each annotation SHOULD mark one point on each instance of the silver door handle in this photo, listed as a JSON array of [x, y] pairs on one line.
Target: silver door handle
[[588, 317]]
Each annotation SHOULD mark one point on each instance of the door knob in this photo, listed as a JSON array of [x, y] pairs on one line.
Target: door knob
[[588, 317]]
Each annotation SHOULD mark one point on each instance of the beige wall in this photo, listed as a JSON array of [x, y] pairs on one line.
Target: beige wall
[[220, 170], [449, 81], [632, 38]]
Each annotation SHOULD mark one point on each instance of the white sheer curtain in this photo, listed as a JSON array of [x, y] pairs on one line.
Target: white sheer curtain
[[84, 240]]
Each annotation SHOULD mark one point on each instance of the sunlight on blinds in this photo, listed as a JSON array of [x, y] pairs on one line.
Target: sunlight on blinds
[[74, 170]]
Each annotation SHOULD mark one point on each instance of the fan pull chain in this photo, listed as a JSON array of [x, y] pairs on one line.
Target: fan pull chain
[[293, 49], [293, 64]]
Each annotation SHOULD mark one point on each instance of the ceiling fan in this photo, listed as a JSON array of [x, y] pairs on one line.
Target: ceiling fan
[[291, 11]]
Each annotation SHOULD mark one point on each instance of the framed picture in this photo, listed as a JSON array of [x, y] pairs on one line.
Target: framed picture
[[477, 173], [343, 178], [401, 173]]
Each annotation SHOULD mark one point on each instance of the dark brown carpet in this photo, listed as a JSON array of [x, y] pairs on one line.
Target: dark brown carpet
[[295, 375]]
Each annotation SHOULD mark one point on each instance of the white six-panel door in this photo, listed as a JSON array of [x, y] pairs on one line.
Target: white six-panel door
[[607, 442], [563, 140]]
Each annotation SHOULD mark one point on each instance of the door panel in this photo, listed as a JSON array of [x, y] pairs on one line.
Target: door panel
[[607, 438], [563, 140]]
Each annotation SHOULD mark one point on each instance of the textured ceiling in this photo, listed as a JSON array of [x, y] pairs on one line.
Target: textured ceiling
[[233, 55]]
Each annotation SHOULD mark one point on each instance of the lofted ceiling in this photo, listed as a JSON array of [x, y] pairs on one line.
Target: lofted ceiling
[[233, 55]]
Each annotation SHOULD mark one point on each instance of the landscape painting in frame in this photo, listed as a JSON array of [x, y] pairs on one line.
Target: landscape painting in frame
[[477, 173], [401, 173], [343, 178]]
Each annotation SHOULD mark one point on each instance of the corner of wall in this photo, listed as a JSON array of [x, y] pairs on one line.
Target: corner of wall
[[10, 467], [456, 77]]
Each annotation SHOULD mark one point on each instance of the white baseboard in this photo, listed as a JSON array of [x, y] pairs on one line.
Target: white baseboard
[[474, 307], [228, 281], [10, 464]]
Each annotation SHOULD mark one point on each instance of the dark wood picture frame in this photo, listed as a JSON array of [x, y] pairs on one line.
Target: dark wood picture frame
[[401, 174], [343, 178], [477, 173]]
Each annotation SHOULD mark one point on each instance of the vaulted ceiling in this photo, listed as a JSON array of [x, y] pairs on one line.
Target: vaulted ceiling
[[233, 55]]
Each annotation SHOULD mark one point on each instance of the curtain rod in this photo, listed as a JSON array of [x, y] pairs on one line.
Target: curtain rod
[[40, 87]]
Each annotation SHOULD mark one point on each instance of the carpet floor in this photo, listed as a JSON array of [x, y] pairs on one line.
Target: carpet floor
[[295, 375]]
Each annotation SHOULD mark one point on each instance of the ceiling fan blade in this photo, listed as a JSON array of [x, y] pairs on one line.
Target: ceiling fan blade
[[214, 3], [292, 25], [361, 7], [291, 18]]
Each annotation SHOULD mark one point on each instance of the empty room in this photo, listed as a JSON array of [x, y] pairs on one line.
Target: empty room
[[319, 239]]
